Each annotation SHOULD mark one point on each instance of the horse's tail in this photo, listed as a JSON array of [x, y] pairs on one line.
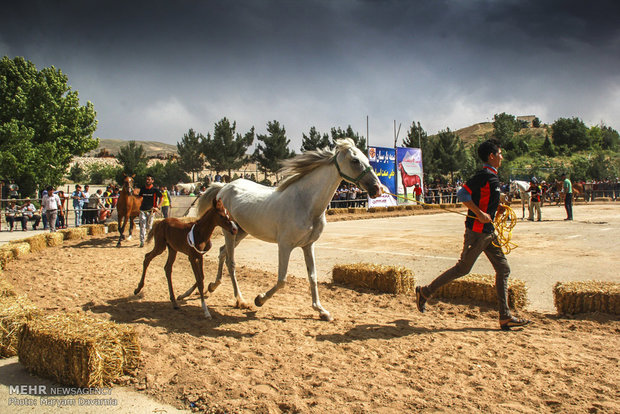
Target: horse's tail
[[206, 200], [152, 231]]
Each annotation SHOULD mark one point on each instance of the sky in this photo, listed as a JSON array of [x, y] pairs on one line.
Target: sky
[[154, 69]]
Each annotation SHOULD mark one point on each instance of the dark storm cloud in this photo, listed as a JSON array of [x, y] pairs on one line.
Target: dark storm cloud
[[155, 69]]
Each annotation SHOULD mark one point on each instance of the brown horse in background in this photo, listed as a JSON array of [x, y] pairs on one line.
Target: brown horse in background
[[127, 207], [192, 238]]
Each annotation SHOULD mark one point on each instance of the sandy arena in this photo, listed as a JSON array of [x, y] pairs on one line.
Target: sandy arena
[[379, 355]]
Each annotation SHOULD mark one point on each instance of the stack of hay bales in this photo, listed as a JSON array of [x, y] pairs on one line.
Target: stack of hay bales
[[37, 243], [15, 312], [112, 226], [95, 229], [75, 233], [357, 210], [19, 248], [587, 296], [388, 279], [77, 349], [481, 288]]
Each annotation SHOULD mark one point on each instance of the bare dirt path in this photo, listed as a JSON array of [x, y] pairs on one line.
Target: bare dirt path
[[379, 355]]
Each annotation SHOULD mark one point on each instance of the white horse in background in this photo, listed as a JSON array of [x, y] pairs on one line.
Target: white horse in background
[[292, 214], [189, 187], [521, 187]]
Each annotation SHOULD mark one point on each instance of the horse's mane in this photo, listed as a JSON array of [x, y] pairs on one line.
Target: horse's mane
[[299, 166]]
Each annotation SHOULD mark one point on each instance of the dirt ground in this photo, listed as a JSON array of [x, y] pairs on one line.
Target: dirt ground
[[379, 354]]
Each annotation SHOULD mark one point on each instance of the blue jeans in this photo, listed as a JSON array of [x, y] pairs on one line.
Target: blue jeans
[[78, 215]]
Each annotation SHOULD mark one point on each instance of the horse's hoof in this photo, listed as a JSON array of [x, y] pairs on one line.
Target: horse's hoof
[[327, 317], [180, 297], [258, 301], [212, 287], [135, 292], [176, 306], [243, 305]]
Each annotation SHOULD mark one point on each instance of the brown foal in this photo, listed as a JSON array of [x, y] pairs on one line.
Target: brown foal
[[193, 239]]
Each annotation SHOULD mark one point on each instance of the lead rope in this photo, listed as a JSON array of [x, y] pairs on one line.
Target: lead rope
[[502, 224]]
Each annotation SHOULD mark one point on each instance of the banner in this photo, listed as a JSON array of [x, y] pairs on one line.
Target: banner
[[383, 161], [409, 174]]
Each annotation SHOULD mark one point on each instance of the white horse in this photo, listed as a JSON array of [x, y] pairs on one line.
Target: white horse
[[189, 187], [521, 187], [292, 214]]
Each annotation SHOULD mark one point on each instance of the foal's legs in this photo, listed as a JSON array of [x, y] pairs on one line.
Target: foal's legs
[[284, 254], [316, 303], [218, 279], [160, 246], [172, 255], [196, 261]]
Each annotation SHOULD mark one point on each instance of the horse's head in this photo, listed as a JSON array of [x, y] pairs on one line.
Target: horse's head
[[355, 168], [222, 217], [128, 183]]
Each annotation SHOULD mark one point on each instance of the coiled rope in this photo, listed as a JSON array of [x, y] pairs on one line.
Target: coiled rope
[[503, 223]]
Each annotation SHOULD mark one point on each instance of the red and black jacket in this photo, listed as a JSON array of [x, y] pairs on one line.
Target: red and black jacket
[[484, 189]]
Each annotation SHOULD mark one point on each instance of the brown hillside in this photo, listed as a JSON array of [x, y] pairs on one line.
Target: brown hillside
[[152, 148]]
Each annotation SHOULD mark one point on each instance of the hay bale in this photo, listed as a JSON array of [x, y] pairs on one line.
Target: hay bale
[[54, 239], [37, 243], [6, 288], [19, 248], [75, 233], [481, 288], [15, 311], [388, 279], [587, 296], [112, 226], [6, 255], [77, 349], [94, 229]]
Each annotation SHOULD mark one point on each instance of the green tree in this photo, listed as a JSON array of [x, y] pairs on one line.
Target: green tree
[[274, 150], [132, 158], [504, 127], [611, 138], [548, 148], [77, 174], [536, 122], [360, 141], [189, 149], [314, 140], [167, 174], [451, 152], [42, 125], [99, 173], [572, 133], [226, 150]]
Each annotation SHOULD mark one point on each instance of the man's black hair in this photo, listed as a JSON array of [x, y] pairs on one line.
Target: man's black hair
[[487, 148], [149, 175]]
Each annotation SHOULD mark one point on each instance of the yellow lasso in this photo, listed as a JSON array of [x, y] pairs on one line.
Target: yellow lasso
[[503, 224]]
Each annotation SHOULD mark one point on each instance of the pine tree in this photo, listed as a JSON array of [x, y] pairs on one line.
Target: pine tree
[[274, 150], [314, 140], [360, 141], [225, 151], [190, 153]]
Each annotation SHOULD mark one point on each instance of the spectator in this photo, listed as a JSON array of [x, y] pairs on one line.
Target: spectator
[[417, 191], [51, 203], [567, 188], [95, 205], [78, 203], [535, 198], [85, 200], [151, 200], [61, 222], [29, 213], [165, 201], [10, 213]]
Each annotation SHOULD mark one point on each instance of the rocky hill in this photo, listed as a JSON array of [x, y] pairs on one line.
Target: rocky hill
[[152, 148]]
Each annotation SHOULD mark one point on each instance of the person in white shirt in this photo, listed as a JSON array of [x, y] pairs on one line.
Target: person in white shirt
[[51, 204], [29, 212]]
